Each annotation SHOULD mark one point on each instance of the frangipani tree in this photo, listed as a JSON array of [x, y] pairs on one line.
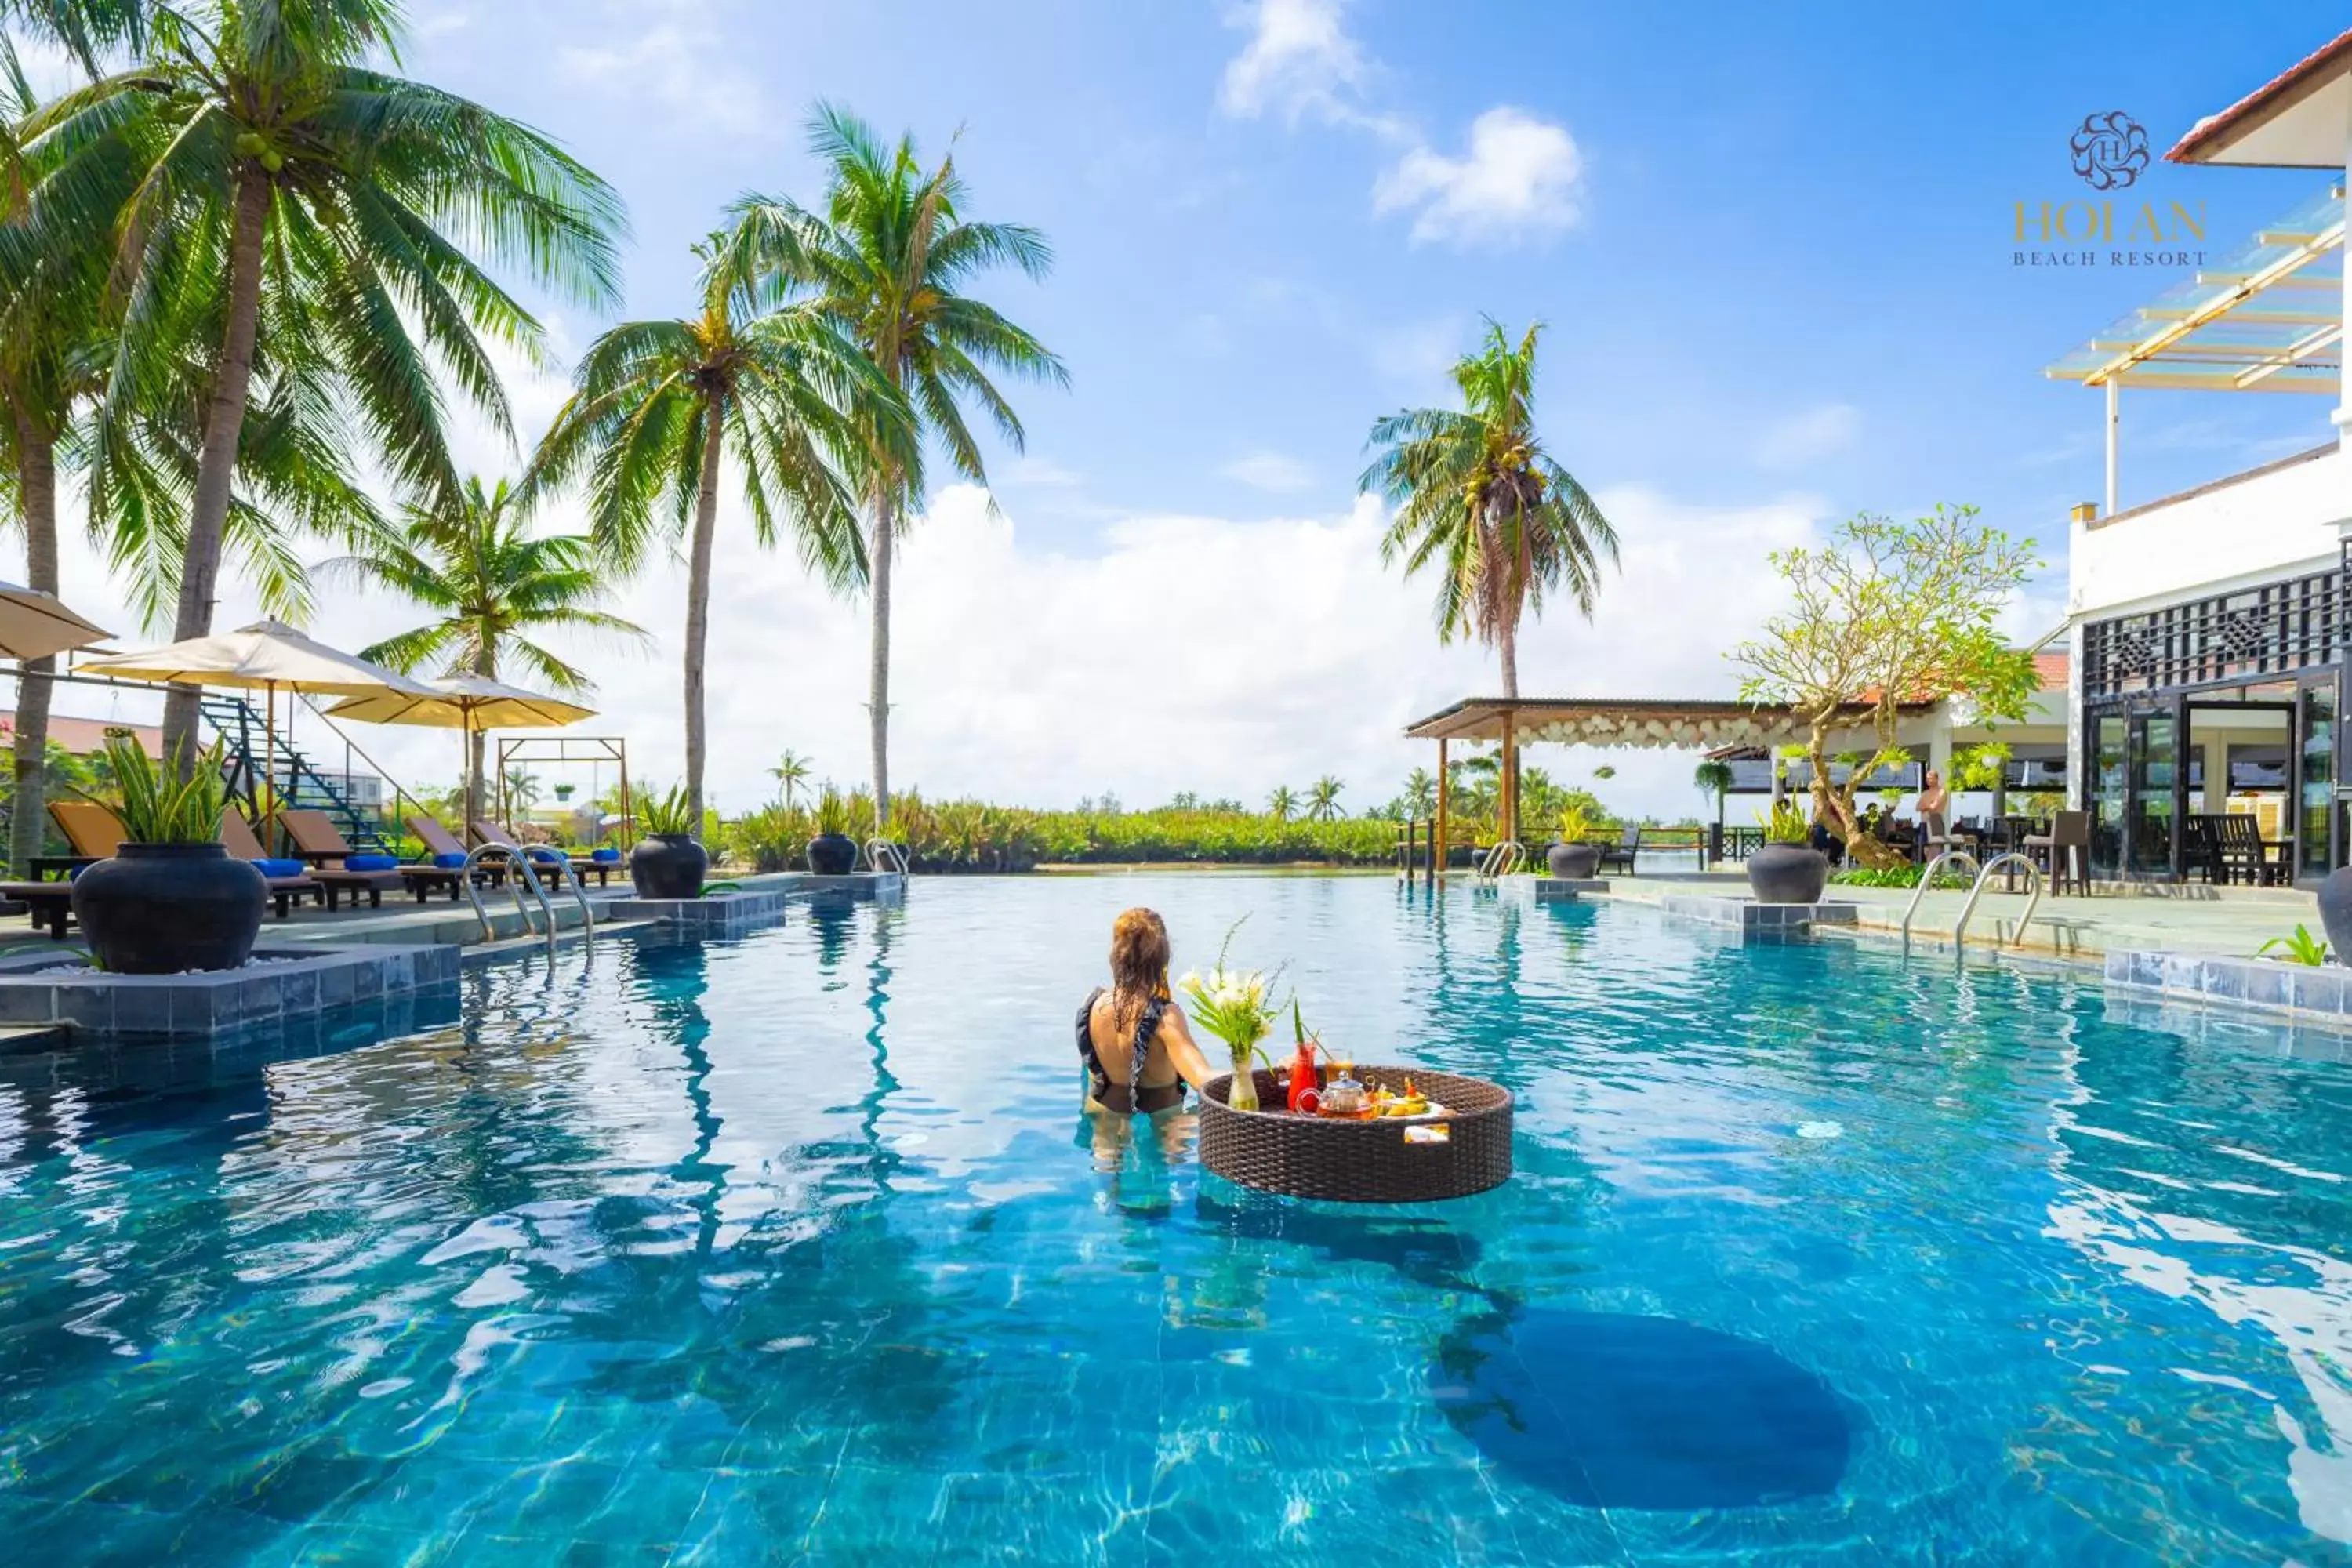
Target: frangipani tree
[[1884, 615]]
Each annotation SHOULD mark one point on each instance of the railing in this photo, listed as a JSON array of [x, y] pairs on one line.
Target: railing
[[520, 876], [2033, 898], [1504, 857], [236, 722], [396, 820], [881, 854], [1926, 881]]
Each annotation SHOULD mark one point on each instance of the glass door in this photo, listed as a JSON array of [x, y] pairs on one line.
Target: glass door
[[2152, 809], [2106, 802], [2314, 832]]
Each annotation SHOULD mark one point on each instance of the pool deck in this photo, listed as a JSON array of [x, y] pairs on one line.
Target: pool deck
[[2212, 921]]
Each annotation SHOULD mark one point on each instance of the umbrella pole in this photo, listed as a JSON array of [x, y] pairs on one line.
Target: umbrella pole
[[269, 770]]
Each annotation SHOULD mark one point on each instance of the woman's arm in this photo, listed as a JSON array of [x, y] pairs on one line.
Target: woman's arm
[[1182, 1054]]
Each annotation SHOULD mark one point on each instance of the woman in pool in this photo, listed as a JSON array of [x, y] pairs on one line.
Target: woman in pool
[[1138, 1050]]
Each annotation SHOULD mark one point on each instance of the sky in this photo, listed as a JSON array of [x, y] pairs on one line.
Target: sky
[[1773, 249]]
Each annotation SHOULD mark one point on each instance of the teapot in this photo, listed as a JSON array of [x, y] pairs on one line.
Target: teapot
[[1343, 1096]]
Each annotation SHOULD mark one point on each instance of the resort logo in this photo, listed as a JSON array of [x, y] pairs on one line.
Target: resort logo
[[2110, 150]]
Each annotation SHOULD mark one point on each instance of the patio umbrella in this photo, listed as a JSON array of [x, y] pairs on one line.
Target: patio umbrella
[[268, 655], [468, 702], [34, 625]]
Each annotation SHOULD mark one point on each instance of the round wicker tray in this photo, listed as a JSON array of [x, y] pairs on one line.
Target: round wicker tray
[[1361, 1162]]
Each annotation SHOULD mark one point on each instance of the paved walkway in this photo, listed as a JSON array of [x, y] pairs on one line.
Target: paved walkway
[[2223, 920]]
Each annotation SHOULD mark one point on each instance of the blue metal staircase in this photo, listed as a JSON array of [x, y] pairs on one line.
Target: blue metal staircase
[[300, 783]]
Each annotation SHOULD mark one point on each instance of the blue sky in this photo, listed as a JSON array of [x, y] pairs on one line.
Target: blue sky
[[1773, 246]]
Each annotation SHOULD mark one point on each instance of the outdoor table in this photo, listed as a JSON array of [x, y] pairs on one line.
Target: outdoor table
[[1376, 1160]]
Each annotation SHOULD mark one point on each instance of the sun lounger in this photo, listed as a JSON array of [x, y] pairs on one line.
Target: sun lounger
[[285, 889], [91, 830], [543, 854], [316, 841], [50, 903], [442, 845]]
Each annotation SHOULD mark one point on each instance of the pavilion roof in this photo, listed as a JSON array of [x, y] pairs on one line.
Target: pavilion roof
[[1678, 722]]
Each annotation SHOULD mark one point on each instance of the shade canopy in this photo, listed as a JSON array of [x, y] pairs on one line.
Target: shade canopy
[[464, 702], [34, 625], [268, 654], [2294, 120], [1623, 722]]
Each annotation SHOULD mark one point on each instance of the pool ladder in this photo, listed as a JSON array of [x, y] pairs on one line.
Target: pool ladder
[[521, 876], [881, 854], [1503, 859], [1976, 890]]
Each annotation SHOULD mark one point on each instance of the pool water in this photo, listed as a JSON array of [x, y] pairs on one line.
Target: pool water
[[793, 1248]]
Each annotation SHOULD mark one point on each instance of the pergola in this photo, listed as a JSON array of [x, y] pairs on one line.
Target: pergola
[[1669, 723]]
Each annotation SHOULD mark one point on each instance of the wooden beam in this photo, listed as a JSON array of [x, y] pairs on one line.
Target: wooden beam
[[1507, 820], [1445, 793]]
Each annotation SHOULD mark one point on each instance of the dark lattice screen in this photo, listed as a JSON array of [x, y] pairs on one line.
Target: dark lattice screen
[[2278, 629]]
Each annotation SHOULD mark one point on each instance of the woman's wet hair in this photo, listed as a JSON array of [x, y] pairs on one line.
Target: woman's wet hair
[[1138, 964]]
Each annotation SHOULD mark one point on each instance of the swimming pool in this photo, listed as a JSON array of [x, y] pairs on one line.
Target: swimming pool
[[791, 1248]]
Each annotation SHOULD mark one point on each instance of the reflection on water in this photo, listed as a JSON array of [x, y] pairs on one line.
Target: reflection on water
[[793, 1246]]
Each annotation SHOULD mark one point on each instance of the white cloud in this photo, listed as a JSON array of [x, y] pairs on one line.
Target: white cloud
[[1298, 57], [678, 64], [1808, 437], [1517, 180], [1032, 470], [1270, 471]]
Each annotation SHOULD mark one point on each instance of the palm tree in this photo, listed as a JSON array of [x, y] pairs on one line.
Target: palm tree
[[659, 406], [1282, 804], [297, 204], [521, 789], [885, 258], [790, 772], [1420, 793], [491, 587], [1323, 799], [1713, 776], [1476, 494]]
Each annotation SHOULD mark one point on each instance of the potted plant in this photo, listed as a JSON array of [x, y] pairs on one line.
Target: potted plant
[[832, 852], [173, 899], [668, 861], [1573, 859], [563, 791], [1786, 868]]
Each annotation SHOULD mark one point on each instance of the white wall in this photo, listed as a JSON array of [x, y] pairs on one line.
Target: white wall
[[2274, 524]]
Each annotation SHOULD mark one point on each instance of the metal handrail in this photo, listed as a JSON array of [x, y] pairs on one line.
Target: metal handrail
[[879, 850], [579, 896], [2032, 899], [519, 864], [1502, 858], [1927, 879]]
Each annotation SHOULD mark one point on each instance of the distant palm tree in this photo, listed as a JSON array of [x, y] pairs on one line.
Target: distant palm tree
[[1420, 793], [522, 790], [1282, 804], [298, 214], [660, 404], [491, 587], [885, 258], [1477, 495], [1323, 799], [789, 773]]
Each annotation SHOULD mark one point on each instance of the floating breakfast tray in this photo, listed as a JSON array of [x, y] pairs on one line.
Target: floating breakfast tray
[[1383, 1160]]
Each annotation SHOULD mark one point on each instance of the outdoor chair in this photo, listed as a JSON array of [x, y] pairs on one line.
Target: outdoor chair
[[443, 869], [287, 889], [2239, 847], [2064, 852], [546, 854], [89, 828], [316, 841], [1622, 852]]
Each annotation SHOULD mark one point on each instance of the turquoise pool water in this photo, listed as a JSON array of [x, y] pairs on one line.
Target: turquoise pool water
[[792, 1247]]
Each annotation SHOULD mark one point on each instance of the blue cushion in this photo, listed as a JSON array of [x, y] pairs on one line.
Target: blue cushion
[[280, 868], [546, 855], [450, 861], [369, 862], [608, 856]]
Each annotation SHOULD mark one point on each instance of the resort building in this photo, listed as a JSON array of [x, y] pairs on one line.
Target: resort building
[[2207, 630]]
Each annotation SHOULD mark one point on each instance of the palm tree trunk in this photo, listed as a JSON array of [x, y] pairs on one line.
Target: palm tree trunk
[[37, 481], [886, 533], [698, 604], [485, 665], [1507, 639], [216, 469]]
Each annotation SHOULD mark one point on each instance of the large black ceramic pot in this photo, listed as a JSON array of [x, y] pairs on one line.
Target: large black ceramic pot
[[1788, 874], [1573, 862], [2336, 913], [161, 909], [669, 865], [832, 854]]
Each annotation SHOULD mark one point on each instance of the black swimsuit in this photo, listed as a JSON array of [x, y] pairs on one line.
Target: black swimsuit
[[1126, 1099]]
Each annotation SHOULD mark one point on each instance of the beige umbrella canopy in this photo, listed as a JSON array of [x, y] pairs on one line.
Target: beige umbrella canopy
[[34, 625], [268, 655], [468, 702]]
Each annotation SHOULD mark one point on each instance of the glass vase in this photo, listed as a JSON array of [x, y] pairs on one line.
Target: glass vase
[[1243, 1095]]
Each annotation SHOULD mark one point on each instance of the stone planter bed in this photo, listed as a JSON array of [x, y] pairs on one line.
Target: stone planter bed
[[284, 981]]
